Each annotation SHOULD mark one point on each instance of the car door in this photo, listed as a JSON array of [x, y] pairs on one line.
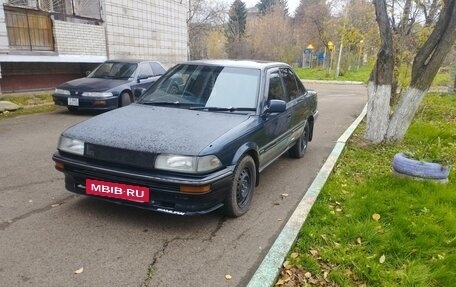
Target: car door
[[298, 103], [275, 134]]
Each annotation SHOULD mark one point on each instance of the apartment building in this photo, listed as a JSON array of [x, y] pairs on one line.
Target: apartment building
[[46, 42]]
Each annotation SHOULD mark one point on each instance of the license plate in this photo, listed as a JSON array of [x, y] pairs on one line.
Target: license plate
[[117, 190], [73, 101]]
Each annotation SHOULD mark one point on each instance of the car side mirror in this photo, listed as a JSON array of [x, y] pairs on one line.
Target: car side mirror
[[275, 106], [138, 92]]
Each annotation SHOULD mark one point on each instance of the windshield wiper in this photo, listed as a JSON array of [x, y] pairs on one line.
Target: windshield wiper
[[175, 103], [229, 109]]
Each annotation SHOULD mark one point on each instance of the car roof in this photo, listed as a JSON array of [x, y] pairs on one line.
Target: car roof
[[128, 61], [239, 63]]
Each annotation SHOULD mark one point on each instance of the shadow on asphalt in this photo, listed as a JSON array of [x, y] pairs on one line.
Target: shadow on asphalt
[[116, 214]]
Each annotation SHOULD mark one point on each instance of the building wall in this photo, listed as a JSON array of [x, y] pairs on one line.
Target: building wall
[[79, 39], [4, 46], [142, 29]]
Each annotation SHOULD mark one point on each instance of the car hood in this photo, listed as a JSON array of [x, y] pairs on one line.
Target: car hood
[[92, 84], [156, 129]]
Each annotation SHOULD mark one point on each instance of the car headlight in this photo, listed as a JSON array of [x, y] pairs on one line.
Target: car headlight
[[97, 94], [70, 145], [62, 92], [188, 164]]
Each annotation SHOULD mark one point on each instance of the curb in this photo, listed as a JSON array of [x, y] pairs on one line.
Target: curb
[[332, 82], [268, 271]]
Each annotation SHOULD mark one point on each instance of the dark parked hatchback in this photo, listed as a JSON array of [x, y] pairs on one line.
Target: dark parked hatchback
[[196, 141], [111, 85]]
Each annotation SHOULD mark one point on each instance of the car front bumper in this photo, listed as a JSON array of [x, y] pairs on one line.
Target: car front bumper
[[164, 190], [88, 103]]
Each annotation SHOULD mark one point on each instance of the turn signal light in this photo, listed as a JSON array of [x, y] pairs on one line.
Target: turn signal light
[[59, 166], [195, 188]]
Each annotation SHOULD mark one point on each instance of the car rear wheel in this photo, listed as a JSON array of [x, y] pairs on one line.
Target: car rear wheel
[[239, 198], [125, 99], [300, 147]]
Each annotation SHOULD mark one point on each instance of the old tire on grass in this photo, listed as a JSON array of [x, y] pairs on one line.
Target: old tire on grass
[[402, 164]]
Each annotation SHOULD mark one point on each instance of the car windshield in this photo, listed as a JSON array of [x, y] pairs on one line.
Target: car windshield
[[114, 70], [215, 87]]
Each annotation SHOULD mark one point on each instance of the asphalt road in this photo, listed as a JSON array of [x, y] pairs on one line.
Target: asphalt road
[[47, 233]]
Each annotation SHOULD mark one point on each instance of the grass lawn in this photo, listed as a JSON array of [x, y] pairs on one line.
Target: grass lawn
[[442, 78], [371, 228], [29, 104]]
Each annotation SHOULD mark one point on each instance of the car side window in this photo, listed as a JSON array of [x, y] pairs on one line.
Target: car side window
[[157, 68], [291, 84], [276, 90], [145, 70]]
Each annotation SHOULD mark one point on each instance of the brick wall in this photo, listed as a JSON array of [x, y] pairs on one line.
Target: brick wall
[[4, 45], [79, 39], [140, 29]]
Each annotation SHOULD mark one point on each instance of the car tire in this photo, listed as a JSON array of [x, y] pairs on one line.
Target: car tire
[[72, 109], [240, 196], [404, 165], [298, 150], [125, 99]]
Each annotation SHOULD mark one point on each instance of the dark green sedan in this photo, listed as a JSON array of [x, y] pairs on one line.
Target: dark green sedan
[[196, 141]]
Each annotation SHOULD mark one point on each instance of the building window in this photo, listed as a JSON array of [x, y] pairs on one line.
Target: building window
[[77, 8], [29, 30]]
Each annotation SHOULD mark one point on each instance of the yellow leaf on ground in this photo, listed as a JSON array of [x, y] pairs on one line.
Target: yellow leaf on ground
[[376, 216], [294, 255], [228, 277], [382, 259], [79, 271]]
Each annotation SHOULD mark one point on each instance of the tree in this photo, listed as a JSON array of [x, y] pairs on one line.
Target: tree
[[235, 28], [203, 16], [270, 37], [264, 6], [381, 126]]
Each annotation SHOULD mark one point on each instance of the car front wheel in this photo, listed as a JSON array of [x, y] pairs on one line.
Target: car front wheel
[[125, 99], [239, 198]]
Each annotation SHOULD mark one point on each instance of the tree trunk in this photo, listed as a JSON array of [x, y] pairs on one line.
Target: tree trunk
[[381, 78], [425, 66]]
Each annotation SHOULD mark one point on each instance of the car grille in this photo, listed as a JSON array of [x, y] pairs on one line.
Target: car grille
[[120, 156]]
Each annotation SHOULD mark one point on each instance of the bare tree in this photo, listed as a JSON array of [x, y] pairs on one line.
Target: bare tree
[[427, 61], [203, 16]]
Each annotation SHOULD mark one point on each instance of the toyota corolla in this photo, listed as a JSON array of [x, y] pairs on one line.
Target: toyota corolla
[[196, 141]]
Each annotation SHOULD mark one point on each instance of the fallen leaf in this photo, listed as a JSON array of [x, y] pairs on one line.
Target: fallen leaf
[[308, 275], [30, 201], [279, 219], [289, 273], [376, 216], [79, 271], [325, 275], [286, 265], [338, 209], [313, 252], [294, 255], [55, 205], [284, 194], [280, 282], [228, 277], [382, 259], [358, 240]]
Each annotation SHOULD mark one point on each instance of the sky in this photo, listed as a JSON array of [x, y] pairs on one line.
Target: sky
[[292, 4]]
